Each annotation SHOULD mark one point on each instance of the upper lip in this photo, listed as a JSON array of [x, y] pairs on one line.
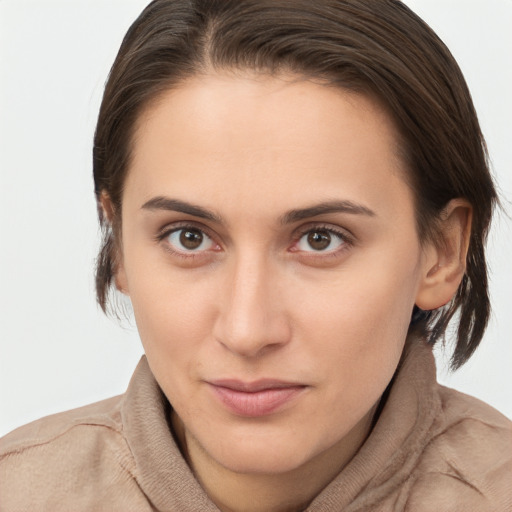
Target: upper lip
[[253, 387]]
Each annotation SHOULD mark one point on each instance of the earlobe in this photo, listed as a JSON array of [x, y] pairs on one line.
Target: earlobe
[[120, 278], [444, 262]]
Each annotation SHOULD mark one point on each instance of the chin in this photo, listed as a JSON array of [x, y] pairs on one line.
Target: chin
[[262, 451], [263, 460]]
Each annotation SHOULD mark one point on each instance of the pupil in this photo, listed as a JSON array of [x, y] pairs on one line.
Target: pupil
[[191, 239], [319, 240]]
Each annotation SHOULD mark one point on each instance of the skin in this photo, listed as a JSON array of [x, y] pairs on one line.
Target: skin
[[260, 297]]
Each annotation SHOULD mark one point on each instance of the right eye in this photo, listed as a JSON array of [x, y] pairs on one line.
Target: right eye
[[189, 240]]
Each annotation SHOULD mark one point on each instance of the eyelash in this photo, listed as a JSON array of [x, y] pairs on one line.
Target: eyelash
[[347, 240]]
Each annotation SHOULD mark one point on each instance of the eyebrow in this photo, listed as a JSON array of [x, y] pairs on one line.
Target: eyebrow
[[175, 205], [326, 208]]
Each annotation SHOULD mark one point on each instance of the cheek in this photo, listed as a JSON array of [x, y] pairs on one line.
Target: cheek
[[360, 303], [362, 327], [167, 315], [172, 326], [174, 312], [358, 356]]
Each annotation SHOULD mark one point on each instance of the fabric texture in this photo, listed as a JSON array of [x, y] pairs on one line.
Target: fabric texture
[[432, 449]]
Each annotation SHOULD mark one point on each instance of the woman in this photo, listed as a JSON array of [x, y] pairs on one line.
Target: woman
[[295, 198]]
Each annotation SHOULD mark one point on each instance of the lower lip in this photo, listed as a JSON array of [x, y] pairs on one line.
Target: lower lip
[[258, 403]]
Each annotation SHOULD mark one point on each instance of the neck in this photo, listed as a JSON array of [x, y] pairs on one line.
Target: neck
[[275, 492]]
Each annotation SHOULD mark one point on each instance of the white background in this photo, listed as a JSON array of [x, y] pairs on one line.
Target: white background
[[57, 350]]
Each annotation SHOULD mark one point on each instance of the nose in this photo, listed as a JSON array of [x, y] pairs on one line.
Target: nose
[[252, 318]]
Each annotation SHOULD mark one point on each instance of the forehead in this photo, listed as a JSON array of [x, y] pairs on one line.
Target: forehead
[[261, 138]]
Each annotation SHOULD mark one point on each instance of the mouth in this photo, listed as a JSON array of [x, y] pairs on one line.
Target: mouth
[[254, 399]]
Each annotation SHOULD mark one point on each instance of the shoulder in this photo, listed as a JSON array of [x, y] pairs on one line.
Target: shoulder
[[467, 463], [46, 430], [67, 456]]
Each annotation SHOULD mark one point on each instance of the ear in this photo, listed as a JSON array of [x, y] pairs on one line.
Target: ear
[[107, 207], [444, 262], [109, 213]]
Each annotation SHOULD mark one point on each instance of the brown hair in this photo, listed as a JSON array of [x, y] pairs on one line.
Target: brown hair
[[371, 46]]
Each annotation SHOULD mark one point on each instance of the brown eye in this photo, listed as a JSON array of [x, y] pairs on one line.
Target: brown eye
[[190, 240], [319, 240]]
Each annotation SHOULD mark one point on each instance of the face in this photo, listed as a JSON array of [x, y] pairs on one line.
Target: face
[[270, 251]]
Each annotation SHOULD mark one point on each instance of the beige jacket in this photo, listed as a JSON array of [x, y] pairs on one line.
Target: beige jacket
[[432, 449]]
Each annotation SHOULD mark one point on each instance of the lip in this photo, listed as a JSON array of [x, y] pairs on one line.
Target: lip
[[253, 399]]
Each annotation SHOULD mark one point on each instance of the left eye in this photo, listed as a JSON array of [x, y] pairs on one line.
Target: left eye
[[190, 240], [320, 240]]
